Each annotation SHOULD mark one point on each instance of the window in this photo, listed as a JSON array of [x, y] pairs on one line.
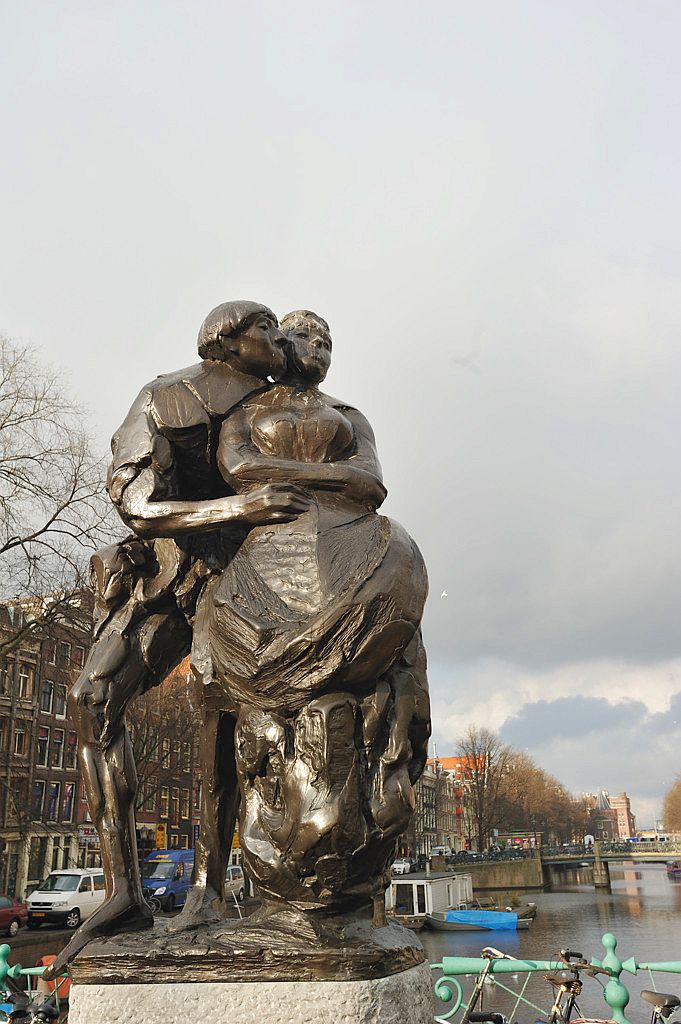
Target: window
[[6, 673], [37, 801], [79, 657], [53, 794], [46, 694], [51, 654], [36, 857], [26, 674], [67, 805], [184, 843], [185, 803], [421, 898], [174, 842], [57, 748], [165, 759], [186, 756], [197, 796], [99, 882], [60, 701], [43, 746], [71, 750], [176, 752], [150, 797], [175, 806], [165, 800], [56, 850], [4, 732], [64, 653], [19, 747]]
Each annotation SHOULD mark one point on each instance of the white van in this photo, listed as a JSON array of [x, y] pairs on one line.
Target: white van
[[441, 851], [66, 898], [235, 882]]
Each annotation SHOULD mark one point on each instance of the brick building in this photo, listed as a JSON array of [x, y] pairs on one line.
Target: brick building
[[626, 822], [44, 818], [165, 742], [40, 785], [439, 815]]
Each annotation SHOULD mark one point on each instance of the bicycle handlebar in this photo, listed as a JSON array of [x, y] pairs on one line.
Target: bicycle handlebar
[[487, 1018], [569, 954]]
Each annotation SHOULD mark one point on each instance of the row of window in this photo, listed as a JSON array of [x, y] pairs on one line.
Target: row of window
[[66, 654], [52, 695], [52, 801], [175, 802], [181, 754], [60, 754]]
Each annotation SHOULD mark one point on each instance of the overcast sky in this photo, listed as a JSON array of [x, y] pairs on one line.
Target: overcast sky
[[482, 199]]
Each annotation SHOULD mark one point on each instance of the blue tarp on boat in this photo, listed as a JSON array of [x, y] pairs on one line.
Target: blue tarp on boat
[[495, 920]]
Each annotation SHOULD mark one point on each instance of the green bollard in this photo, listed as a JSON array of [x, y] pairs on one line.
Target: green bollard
[[616, 994]]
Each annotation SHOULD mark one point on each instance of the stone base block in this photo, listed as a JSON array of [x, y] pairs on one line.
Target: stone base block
[[405, 998]]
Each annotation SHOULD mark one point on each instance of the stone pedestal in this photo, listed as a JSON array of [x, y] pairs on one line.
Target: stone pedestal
[[271, 968], [405, 998]]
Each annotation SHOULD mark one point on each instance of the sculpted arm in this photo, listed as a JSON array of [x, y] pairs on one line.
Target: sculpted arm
[[359, 476], [139, 484]]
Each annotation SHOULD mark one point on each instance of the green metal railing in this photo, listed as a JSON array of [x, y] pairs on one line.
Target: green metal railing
[[31, 974], [615, 993]]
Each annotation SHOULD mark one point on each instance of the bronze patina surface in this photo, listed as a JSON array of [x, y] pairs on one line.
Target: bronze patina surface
[[258, 549], [285, 946]]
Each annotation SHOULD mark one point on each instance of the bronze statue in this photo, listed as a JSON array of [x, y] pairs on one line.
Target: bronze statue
[[258, 547]]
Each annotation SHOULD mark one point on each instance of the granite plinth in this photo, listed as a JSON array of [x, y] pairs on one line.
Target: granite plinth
[[404, 998]]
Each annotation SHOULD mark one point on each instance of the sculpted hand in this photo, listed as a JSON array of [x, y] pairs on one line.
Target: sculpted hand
[[274, 503]]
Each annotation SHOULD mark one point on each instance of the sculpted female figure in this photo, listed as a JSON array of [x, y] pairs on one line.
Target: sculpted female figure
[[311, 639]]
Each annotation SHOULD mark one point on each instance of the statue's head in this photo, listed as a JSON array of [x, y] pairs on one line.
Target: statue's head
[[245, 334], [308, 346]]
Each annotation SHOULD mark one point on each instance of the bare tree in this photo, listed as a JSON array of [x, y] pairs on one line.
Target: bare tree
[[53, 507], [671, 810], [487, 760]]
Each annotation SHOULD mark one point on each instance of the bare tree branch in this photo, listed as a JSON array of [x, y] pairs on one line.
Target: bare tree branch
[[53, 506]]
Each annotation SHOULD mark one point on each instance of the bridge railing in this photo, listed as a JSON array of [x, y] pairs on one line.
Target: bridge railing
[[448, 988], [630, 849]]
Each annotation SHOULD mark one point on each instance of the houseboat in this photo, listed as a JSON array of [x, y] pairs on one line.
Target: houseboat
[[411, 898]]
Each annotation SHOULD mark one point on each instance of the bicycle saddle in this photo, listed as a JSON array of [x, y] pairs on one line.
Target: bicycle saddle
[[661, 1000], [562, 977]]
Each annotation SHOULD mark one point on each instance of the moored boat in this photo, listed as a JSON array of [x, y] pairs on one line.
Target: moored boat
[[470, 920]]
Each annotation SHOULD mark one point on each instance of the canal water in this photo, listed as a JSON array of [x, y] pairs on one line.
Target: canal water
[[643, 912]]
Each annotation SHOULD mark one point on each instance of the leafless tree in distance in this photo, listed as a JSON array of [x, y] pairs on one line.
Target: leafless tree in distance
[[53, 507]]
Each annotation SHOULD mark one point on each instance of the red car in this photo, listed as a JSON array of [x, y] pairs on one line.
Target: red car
[[13, 914]]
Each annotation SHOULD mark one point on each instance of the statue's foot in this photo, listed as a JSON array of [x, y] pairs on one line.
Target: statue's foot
[[202, 907], [121, 913]]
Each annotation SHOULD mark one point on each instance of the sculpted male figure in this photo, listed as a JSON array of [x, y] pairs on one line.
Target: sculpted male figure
[[187, 522]]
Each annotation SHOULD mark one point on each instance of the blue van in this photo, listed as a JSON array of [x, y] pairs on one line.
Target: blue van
[[167, 875]]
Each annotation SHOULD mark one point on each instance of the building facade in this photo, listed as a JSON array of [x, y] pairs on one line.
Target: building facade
[[438, 818], [40, 784], [626, 822], [44, 819]]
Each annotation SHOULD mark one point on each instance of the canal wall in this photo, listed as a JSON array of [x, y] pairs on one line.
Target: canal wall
[[507, 875]]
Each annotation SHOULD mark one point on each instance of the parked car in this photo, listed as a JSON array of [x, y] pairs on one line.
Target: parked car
[[402, 866], [441, 851], [235, 882], [13, 914], [167, 875], [66, 898]]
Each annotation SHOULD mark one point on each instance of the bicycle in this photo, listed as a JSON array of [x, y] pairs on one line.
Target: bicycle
[[567, 986]]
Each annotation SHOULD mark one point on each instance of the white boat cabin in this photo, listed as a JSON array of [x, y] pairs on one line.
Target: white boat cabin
[[419, 894]]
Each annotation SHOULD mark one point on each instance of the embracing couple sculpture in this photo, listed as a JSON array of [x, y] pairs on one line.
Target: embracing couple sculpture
[[257, 549]]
